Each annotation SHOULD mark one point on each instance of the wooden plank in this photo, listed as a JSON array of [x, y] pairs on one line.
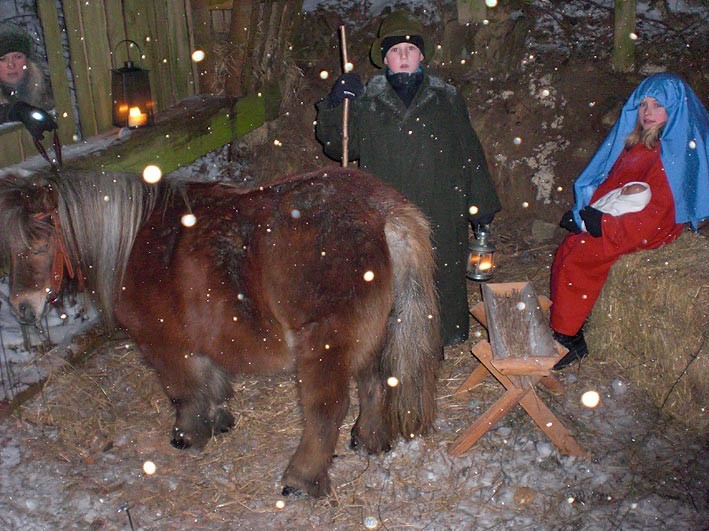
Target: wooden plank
[[139, 29], [98, 55], [476, 377], [179, 50], [80, 67], [156, 52], [526, 366], [550, 424], [478, 312], [115, 33], [486, 421], [56, 62], [203, 41]]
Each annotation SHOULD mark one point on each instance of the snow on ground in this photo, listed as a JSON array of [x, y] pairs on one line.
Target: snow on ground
[[20, 367]]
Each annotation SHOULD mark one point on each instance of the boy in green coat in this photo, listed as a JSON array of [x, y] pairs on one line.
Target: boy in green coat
[[413, 131]]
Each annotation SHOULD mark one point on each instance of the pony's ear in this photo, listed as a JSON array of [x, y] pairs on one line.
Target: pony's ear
[[25, 205], [34, 194], [41, 197]]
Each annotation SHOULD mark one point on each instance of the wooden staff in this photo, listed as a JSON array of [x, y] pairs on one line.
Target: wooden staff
[[346, 109]]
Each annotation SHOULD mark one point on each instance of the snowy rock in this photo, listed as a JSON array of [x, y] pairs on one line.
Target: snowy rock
[[10, 456], [544, 449], [619, 387], [504, 431]]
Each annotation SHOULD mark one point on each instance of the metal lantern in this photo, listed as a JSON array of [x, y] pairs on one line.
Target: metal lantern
[[481, 255], [130, 89]]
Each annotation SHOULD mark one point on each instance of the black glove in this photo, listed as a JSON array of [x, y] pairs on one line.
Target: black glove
[[347, 86], [569, 223], [592, 218], [36, 120]]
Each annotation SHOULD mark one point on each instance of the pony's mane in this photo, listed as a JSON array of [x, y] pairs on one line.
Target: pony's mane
[[100, 215]]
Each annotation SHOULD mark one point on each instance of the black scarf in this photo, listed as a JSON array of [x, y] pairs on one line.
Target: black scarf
[[405, 85]]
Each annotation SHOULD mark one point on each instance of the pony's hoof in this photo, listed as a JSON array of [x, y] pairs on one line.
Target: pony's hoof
[[371, 447], [296, 484], [180, 444], [291, 491], [183, 440]]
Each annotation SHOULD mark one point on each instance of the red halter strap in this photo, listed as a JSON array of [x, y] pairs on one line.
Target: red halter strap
[[61, 258]]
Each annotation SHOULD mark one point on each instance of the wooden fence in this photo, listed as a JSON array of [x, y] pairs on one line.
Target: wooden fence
[[161, 28]]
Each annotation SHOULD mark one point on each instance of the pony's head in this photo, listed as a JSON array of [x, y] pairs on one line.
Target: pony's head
[[79, 225], [28, 242]]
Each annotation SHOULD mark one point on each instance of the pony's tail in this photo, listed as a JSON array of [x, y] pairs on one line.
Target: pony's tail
[[412, 347]]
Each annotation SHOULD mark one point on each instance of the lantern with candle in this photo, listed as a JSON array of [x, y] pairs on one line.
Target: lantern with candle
[[130, 87], [481, 254]]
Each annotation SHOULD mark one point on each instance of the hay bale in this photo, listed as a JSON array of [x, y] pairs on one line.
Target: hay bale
[[652, 320]]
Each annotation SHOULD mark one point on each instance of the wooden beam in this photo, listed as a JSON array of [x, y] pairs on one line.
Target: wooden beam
[[182, 134]]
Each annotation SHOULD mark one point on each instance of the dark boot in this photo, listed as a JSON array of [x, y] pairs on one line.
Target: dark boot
[[577, 349]]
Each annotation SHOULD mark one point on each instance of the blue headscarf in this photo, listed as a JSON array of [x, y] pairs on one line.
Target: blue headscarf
[[684, 148]]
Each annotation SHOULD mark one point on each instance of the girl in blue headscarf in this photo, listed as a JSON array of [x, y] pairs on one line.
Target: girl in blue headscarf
[[662, 139]]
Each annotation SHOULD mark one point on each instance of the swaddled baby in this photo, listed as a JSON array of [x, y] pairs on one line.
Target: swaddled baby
[[632, 197]]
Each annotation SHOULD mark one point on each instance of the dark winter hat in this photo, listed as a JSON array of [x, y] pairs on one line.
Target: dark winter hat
[[389, 42], [399, 24], [14, 40]]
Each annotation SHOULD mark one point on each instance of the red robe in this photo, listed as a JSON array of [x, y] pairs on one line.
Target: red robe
[[582, 262]]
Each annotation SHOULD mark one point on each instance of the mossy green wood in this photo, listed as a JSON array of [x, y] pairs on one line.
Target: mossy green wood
[[12, 148], [187, 134], [56, 62]]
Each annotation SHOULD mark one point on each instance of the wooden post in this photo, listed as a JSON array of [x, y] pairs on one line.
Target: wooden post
[[624, 15], [239, 34], [346, 109]]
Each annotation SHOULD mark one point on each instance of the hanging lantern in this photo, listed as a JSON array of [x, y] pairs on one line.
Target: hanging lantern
[[130, 89], [481, 255]]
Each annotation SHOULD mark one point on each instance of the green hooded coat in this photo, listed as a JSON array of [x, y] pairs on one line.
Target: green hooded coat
[[431, 154]]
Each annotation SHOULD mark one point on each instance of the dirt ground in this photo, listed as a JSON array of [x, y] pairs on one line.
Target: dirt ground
[[74, 456]]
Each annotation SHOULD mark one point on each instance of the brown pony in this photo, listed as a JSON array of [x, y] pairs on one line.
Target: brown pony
[[327, 275]]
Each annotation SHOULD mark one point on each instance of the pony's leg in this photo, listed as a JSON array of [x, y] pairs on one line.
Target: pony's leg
[[372, 431], [198, 390], [323, 384]]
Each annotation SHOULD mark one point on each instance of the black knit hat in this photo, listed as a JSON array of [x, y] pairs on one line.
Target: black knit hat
[[400, 24], [13, 39], [389, 42]]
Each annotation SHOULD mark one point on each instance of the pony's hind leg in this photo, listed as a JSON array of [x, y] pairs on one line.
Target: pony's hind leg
[[198, 390], [372, 431], [323, 385]]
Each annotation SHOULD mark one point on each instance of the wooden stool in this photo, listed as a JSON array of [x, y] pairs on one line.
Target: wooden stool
[[520, 355]]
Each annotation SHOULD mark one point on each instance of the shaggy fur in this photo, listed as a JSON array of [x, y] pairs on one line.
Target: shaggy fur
[[327, 275]]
